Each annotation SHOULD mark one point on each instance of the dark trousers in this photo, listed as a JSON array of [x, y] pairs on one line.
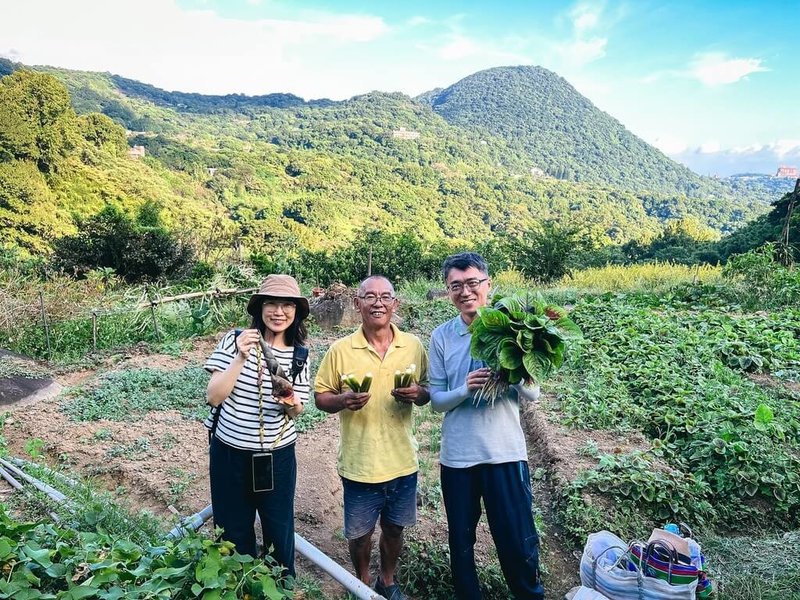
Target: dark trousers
[[507, 497], [235, 504]]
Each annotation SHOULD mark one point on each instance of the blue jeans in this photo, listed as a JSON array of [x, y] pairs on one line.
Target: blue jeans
[[507, 497], [395, 501], [235, 504]]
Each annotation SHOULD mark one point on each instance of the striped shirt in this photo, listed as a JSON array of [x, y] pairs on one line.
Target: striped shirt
[[239, 421]]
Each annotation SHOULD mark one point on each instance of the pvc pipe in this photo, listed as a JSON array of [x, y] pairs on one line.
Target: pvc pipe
[[192, 523], [7, 476], [18, 486], [355, 586], [351, 583], [39, 485], [22, 463]]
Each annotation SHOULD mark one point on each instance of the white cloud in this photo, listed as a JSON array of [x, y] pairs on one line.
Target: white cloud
[[581, 52], [459, 47], [755, 158], [191, 50], [585, 45], [715, 68], [786, 147], [585, 17], [710, 147], [418, 20], [669, 144]]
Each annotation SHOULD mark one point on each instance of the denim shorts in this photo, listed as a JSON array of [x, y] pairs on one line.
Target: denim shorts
[[395, 501]]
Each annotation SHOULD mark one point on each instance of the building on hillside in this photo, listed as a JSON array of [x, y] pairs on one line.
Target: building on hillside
[[136, 152], [537, 173], [405, 134], [784, 171], [211, 171]]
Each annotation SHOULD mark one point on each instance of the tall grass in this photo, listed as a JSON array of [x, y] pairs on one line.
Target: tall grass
[[650, 277]]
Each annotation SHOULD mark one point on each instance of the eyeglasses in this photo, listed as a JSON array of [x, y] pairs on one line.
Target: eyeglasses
[[287, 307], [470, 284], [372, 298]]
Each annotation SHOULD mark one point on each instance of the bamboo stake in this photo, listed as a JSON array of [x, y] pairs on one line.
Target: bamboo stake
[[155, 321], [94, 331], [46, 326], [213, 294]]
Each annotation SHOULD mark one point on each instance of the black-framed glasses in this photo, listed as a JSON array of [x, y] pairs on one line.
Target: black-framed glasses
[[373, 298], [470, 284]]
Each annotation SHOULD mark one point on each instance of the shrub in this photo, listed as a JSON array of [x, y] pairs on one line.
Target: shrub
[[136, 249]]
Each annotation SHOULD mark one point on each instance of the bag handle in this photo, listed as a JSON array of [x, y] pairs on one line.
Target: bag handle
[[595, 559], [670, 552]]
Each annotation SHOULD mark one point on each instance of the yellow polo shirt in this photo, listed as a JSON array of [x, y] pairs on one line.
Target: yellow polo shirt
[[376, 443]]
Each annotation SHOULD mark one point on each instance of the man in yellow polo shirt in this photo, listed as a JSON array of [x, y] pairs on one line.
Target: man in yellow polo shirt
[[377, 451]]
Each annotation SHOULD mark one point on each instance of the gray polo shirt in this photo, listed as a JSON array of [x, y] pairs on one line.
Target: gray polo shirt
[[471, 434]]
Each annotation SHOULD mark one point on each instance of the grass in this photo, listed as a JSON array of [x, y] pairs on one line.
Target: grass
[[127, 395], [11, 366], [649, 277], [755, 567]]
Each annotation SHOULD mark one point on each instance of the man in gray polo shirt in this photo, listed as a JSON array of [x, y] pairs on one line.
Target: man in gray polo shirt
[[483, 455]]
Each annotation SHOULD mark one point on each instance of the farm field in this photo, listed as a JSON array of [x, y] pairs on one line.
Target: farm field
[[678, 406]]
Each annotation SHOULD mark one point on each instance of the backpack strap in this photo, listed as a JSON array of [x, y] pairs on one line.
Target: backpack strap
[[214, 421], [299, 359], [218, 409]]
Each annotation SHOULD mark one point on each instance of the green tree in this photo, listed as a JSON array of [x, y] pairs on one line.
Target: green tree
[[548, 251], [103, 132], [29, 213], [37, 122]]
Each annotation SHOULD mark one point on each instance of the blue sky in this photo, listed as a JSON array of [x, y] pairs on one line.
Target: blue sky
[[713, 84]]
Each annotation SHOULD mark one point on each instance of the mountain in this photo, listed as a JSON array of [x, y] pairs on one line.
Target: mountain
[[276, 172], [562, 132]]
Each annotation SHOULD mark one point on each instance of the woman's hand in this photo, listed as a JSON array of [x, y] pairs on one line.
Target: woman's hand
[[291, 405], [246, 341]]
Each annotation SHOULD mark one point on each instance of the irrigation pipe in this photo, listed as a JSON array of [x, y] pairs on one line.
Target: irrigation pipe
[[192, 523], [18, 486], [7, 476], [352, 584], [39, 485], [355, 586], [22, 463]]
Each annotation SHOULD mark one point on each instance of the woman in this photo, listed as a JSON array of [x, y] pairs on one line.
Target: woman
[[252, 460]]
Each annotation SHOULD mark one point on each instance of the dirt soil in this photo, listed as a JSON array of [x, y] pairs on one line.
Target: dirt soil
[[161, 461]]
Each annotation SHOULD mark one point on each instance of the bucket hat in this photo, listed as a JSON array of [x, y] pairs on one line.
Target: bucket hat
[[278, 286]]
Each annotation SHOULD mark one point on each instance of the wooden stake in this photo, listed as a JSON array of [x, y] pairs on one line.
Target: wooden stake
[[46, 326], [94, 331], [155, 321]]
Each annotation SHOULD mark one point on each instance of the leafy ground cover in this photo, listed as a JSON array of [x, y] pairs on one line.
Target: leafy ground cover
[[724, 451]]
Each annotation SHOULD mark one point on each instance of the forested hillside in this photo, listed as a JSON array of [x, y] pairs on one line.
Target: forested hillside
[[563, 133], [268, 173]]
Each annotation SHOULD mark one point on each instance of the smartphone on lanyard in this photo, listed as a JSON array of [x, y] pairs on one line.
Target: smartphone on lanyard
[[262, 472]]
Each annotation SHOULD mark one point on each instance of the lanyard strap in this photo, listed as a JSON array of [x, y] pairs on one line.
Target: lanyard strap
[[260, 381]]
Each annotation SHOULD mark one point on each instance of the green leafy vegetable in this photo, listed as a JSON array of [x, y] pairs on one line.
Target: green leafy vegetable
[[520, 338]]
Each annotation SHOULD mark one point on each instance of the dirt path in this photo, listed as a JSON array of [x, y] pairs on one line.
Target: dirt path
[[161, 461]]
